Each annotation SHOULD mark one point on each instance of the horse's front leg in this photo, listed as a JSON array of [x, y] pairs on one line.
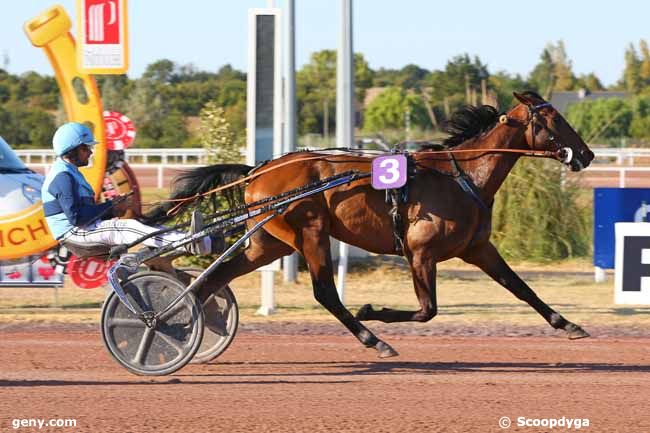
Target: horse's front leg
[[490, 261], [316, 251], [423, 271]]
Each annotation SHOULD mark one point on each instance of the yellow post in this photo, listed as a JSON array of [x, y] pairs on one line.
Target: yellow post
[[51, 31]]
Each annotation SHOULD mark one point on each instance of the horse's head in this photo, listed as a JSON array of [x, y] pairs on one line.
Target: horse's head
[[547, 130]]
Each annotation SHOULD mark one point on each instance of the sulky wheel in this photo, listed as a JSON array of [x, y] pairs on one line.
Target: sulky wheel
[[221, 314], [173, 339]]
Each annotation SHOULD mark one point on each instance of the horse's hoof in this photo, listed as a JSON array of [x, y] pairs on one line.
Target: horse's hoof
[[363, 312], [385, 351], [574, 332]]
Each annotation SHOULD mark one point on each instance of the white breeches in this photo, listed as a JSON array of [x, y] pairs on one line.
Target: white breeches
[[120, 232]]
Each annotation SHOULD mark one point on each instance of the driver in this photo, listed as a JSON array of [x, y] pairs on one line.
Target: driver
[[72, 213]]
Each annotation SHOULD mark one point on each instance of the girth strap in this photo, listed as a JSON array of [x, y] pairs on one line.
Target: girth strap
[[393, 197], [396, 197]]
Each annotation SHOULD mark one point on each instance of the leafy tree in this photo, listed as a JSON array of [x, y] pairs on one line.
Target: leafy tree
[[40, 125], [644, 67], [600, 118], [26, 126], [385, 77], [553, 72], [564, 78], [5, 93], [589, 82], [316, 93], [632, 72], [503, 85], [160, 72], [158, 126], [459, 72], [542, 76], [640, 125], [216, 135], [37, 91], [363, 76], [113, 89], [388, 111]]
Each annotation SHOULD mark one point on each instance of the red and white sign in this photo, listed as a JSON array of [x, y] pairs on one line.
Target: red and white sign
[[120, 131], [89, 273], [102, 44]]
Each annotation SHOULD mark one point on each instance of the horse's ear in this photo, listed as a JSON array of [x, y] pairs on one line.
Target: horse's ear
[[523, 99]]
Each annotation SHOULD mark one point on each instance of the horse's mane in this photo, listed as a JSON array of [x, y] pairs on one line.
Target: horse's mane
[[469, 121]]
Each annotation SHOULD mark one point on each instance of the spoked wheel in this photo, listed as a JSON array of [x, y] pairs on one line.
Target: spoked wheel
[[166, 346], [221, 318]]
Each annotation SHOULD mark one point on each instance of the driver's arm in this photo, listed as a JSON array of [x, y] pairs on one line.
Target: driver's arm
[[78, 210]]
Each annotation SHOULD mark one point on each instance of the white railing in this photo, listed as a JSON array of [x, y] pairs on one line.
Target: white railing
[[604, 155], [622, 172], [162, 171], [621, 155], [144, 156]]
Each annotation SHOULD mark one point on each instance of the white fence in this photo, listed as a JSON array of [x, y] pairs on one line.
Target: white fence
[[621, 173], [148, 175], [143, 156]]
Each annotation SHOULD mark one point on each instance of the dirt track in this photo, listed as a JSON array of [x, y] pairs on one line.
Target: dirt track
[[297, 382]]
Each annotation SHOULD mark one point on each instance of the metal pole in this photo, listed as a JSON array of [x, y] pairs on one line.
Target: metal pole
[[344, 112], [290, 263]]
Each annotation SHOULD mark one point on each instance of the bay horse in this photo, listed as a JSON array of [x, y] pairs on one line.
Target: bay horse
[[441, 219]]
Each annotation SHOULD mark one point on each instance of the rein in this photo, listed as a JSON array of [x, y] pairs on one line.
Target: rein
[[562, 154]]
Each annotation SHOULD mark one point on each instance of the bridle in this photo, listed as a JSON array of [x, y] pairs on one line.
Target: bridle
[[562, 154]]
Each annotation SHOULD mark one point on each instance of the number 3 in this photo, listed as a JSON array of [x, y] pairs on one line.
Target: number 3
[[392, 169]]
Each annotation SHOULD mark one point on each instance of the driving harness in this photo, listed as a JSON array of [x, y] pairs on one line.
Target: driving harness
[[399, 196]]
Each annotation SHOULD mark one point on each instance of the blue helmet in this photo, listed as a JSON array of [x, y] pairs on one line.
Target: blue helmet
[[70, 136]]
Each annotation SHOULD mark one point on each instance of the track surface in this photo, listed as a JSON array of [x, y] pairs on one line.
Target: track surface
[[313, 378]]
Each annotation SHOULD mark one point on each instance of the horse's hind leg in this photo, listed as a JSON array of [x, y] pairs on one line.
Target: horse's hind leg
[[423, 271], [315, 248], [262, 250], [490, 261]]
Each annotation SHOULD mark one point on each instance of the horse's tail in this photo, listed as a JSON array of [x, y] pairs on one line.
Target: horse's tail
[[199, 181]]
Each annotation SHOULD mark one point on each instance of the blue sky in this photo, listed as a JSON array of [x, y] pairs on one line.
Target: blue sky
[[507, 35]]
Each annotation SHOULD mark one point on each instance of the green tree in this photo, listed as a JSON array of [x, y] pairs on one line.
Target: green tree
[[216, 135], [640, 125], [385, 77], [388, 111], [363, 76], [590, 82], [459, 72], [160, 72], [504, 84], [632, 73], [564, 78], [542, 76], [601, 118], [26, 126], [112, 88], [644, 67], [410, 77], [316, 93], [553, 72], [158, 126]]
